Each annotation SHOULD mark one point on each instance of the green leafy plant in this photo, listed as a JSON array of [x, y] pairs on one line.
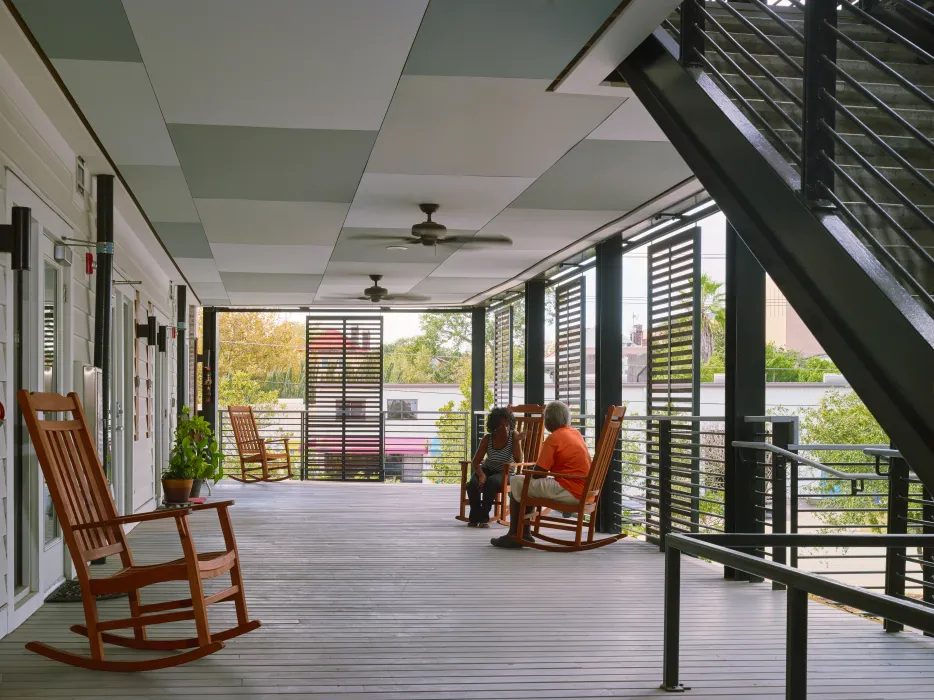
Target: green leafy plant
[[195, 454]]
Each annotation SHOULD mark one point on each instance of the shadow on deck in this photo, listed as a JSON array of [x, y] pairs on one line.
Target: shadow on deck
[[374, 590]]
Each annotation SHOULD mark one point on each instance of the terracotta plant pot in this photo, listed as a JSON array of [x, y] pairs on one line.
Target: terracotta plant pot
[[176, 490], [196, 487]]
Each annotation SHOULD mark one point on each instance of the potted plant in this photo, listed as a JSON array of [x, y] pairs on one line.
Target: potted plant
[[194, 458]]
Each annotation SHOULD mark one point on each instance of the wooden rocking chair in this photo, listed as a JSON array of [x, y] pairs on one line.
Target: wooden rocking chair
[[92, 529], [540, 518], [256, 461], [530, 421]]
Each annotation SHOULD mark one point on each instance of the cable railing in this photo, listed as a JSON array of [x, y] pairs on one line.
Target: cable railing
[[845, 95]]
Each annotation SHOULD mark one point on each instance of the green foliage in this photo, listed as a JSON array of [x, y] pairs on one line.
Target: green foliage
[[453, 428], [713, 316], [240, 389], [841, 418], [781, 365], [195, 454]]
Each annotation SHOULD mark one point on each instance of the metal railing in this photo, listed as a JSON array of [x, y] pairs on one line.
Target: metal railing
[[846, 99], [416, 446]]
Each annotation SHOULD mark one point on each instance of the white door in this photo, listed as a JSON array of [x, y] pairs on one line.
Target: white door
[[52, 318]]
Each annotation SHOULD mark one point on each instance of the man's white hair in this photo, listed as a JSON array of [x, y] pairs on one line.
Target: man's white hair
[[557, 415]]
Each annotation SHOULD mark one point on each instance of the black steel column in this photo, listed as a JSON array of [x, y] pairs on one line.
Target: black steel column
[[897, 521], [477, 370], [535, 342], [796, 645], [209, 368], [745, 378], [820, 46], [609, 368], [103, 316], [692, 36], [181, 349]]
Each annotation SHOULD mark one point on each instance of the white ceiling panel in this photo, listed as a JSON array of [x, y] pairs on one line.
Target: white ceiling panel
[[452, 285], [466, 203], [314, 64], [233, 257], [200, 270], [396, 274], [270, 299], [117, 98], [488, 263], [631, 122], [272, 223], [482, 126], [546, 230]]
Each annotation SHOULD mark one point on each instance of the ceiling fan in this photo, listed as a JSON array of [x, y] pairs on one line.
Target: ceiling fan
[[378, 294], [431, 233]]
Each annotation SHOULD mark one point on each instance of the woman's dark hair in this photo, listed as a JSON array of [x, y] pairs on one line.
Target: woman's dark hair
[[497, 416]]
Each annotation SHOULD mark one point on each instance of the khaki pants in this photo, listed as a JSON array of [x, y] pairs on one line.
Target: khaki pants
[[546, 487]]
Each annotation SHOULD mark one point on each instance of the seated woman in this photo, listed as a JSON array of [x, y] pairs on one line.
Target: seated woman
[[499, 447]]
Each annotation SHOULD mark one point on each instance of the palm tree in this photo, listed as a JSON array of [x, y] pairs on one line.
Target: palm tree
[[713, 314]]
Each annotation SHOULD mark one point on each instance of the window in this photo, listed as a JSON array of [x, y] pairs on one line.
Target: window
[[351, 409], [402, 409]]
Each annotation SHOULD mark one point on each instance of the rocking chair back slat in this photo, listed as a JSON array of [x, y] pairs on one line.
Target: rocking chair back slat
[[530, 420], [72, 472], [603, 454], [244, 429]]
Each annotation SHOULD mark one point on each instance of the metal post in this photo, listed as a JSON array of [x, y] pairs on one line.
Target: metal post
[[745, 377], [819, 78], [793, 510], [664, 481], [181, 349], [477, 368], [535, 342], [692, 32], [782, 436], [103, 317], [609, 368], [672, 622], [796, 645], [897, 525], [927, 553], [209, 368]]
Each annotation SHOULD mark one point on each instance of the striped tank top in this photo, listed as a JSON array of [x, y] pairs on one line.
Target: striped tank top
[[497, 459]]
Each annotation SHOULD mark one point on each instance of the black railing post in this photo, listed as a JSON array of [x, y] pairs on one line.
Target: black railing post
[[819, 113], [672, 621], [793, 509], [897, 525], [664, 481], [782, 436], [927, 553], [796, 645], [692, 32]]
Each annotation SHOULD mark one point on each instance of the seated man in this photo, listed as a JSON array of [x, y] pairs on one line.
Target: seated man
[[564, 452]]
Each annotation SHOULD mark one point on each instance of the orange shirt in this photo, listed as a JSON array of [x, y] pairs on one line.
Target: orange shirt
[[565, 452]]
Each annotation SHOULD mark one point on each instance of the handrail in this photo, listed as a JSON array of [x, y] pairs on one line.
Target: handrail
[[769, 447], [800, 584]]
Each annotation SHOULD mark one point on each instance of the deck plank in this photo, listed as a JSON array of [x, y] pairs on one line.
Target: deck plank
[[374, 590]]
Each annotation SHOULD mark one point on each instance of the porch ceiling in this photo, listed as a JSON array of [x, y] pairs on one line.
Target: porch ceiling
[[261, 138]]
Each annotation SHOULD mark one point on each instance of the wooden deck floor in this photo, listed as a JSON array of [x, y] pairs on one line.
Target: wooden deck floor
[[374, 590]]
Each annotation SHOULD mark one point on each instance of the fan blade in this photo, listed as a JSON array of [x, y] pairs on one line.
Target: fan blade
[[477, 240], [406, 297], [385, 239]]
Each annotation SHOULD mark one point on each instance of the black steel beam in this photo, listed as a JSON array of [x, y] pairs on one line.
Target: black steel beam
[[535, 342], [609, 369], [103, 317], [209, 368], [477, 369], [876, 333], [745, 376], [181, 349]]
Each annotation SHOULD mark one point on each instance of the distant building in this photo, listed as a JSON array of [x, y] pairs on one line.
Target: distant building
[[784, 327]]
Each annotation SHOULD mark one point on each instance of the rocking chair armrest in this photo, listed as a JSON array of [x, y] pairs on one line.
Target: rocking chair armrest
[[282, 439], [217, 505], [135, 518]]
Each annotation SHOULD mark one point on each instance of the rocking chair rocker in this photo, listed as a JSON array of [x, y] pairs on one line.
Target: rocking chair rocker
[[530, 422], [588, 501], [92, 529], [256, 460]]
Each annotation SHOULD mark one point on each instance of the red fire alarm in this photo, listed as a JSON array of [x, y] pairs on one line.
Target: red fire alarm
[[89, 263], [2, 413], [173, 332]]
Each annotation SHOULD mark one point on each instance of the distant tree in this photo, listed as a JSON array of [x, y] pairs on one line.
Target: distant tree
[[239, 389], [713, 316], [781, 365]]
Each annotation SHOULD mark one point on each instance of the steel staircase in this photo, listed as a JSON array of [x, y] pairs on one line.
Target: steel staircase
[[813, 128]]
